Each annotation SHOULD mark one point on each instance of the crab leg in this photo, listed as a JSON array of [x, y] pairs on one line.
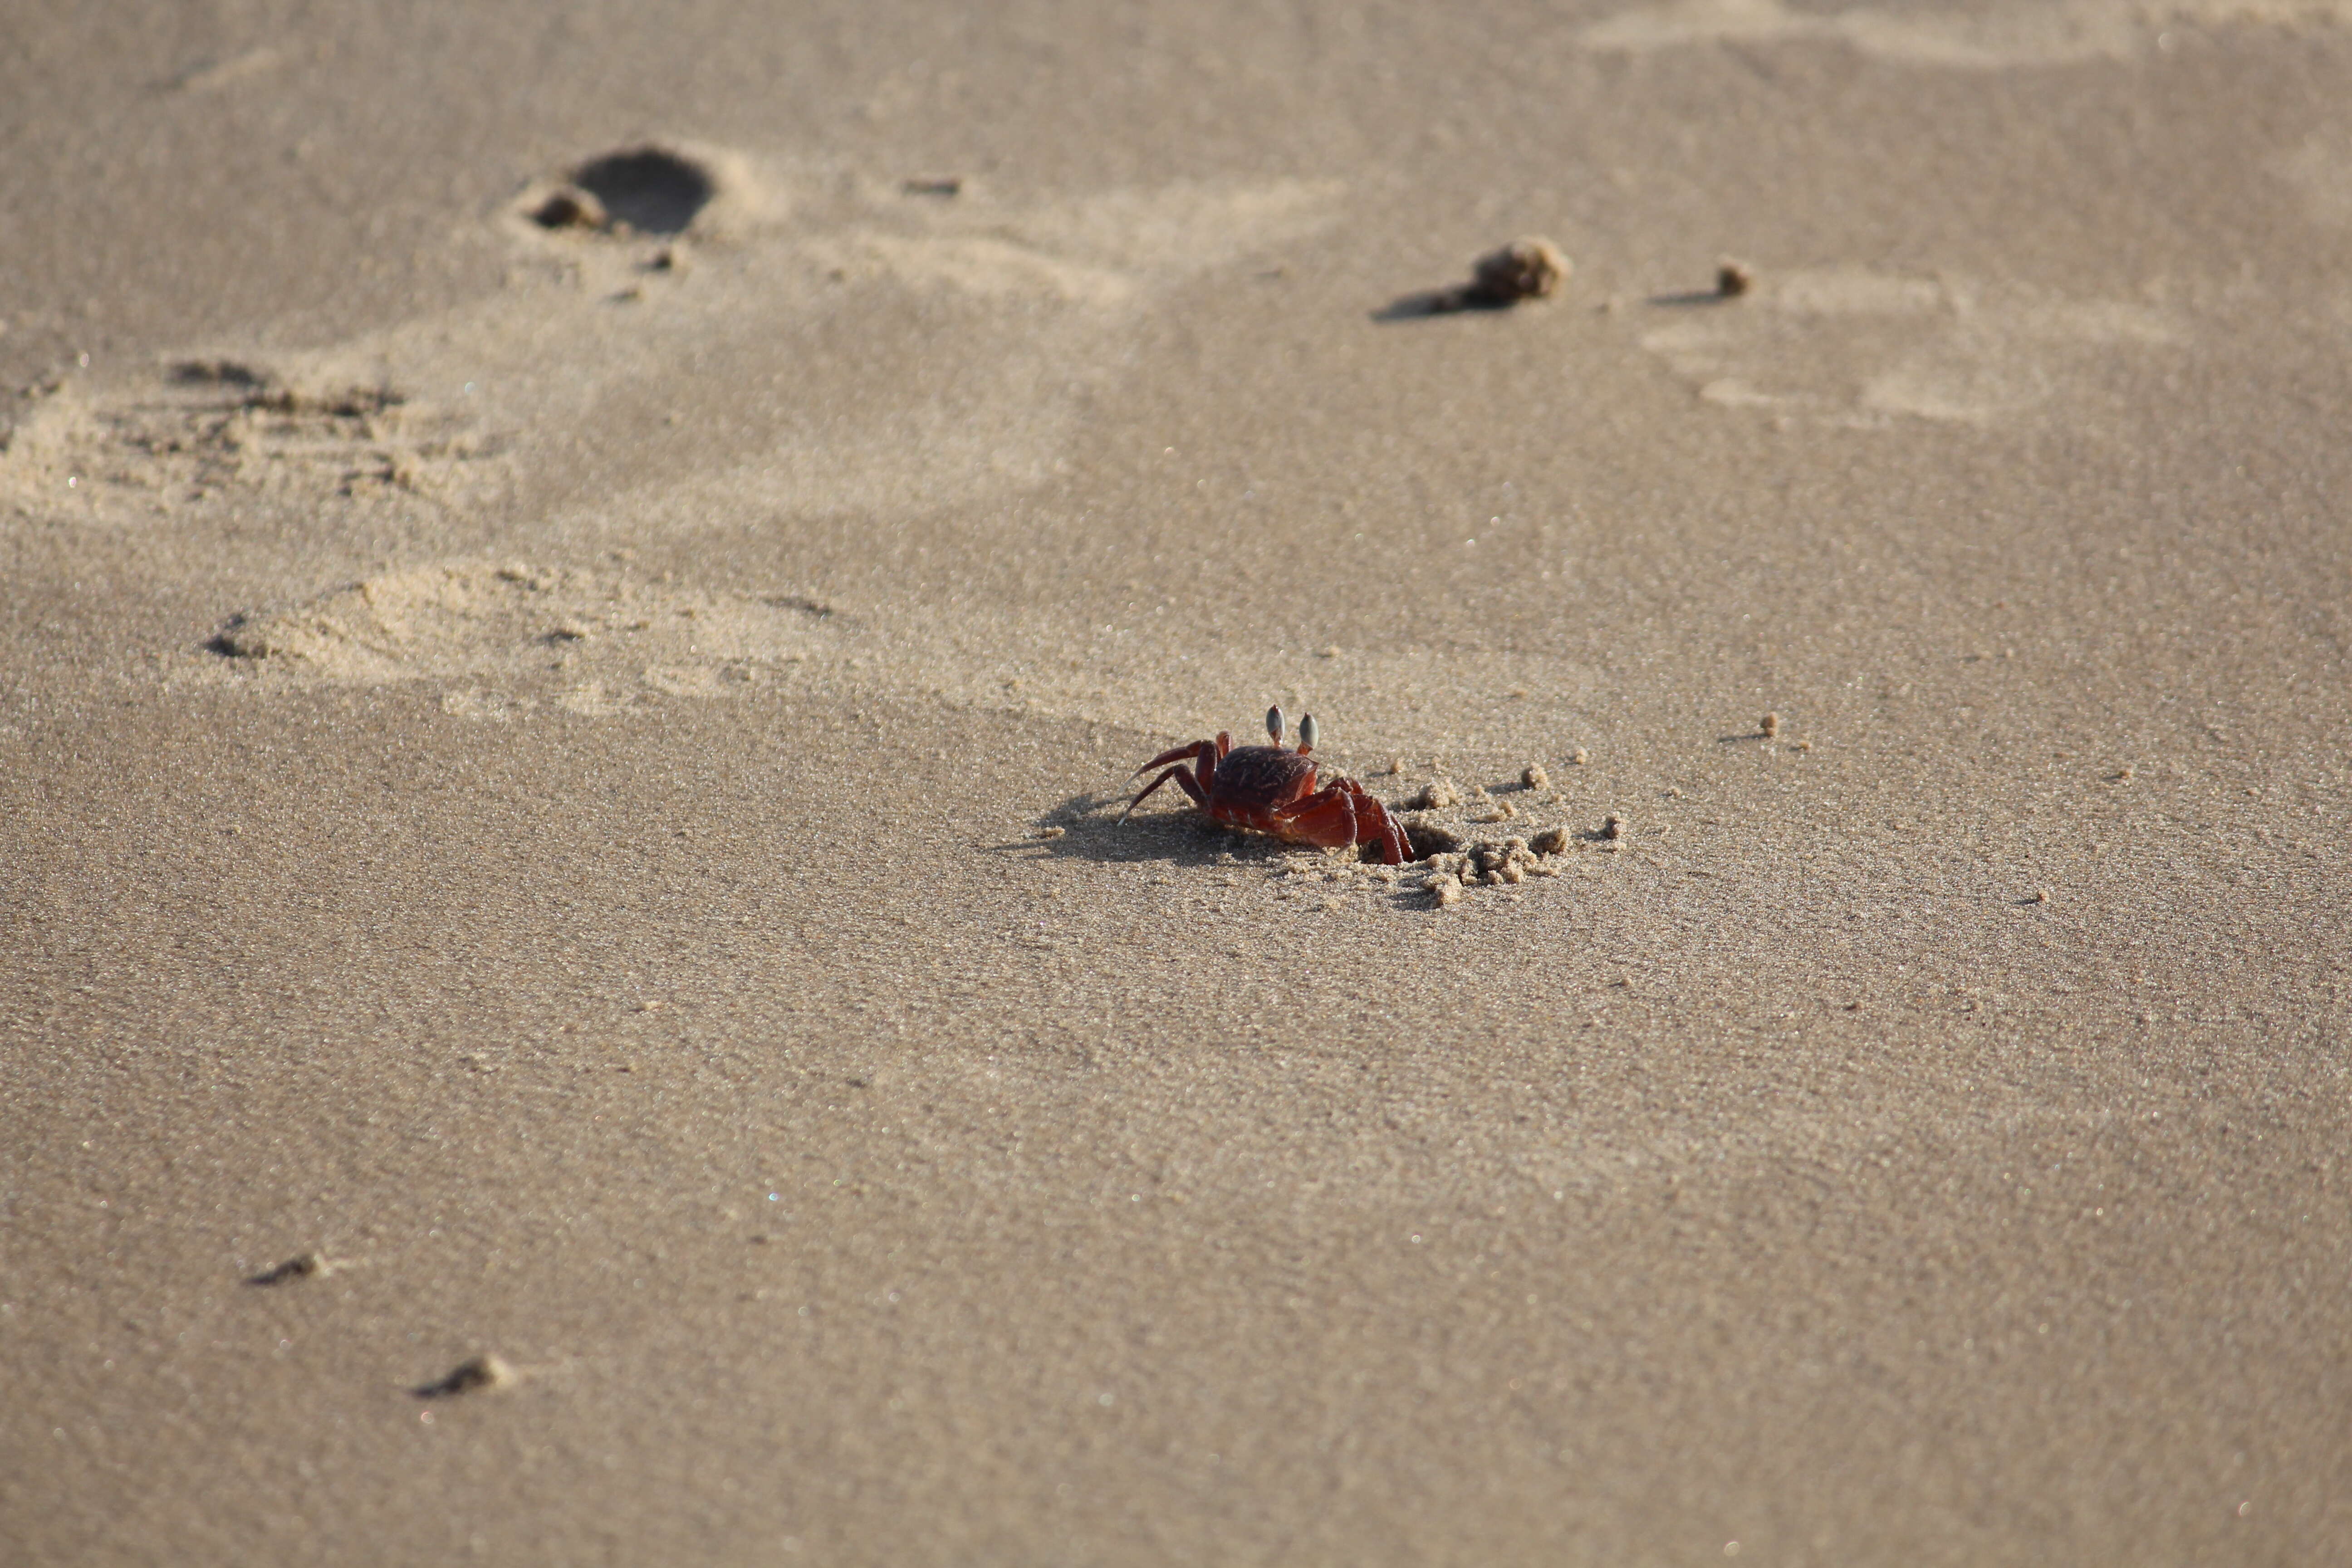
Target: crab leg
[[1342, 814], [1326, 818], [1178, 754], [1184, 780], [1376, 825], [1203, 750]]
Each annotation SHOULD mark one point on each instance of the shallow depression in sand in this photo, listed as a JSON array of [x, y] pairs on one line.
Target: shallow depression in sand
[[517, 636], [141, 445], [651, 189], [1859, 348]]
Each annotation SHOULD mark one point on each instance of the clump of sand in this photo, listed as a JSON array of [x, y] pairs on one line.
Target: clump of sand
[[1529, 268]]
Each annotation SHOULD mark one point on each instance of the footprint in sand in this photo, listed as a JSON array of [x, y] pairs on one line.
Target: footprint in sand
[[1861, 349], [508, 640], [957, 332], [233, 427], [681, 287]]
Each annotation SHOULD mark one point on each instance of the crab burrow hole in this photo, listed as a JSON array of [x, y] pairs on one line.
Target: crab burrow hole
[[647, 190]]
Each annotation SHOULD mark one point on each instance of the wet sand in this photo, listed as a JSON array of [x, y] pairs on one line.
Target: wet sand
[[579, 593]]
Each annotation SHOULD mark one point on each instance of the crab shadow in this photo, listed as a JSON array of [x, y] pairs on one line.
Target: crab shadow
[[1088, 827], [1421, 304]]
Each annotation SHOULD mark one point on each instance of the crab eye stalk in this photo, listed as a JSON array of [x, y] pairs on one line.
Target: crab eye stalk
[[1307, 733], [1274, 722]]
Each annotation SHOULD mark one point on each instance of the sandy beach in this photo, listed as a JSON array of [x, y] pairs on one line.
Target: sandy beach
[[581, 589]]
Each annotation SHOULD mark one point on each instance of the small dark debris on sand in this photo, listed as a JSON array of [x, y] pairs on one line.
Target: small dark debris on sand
[[1614, 828], [255, 388], [347, 403], [216, 372], [481, 1373], [815, 608], [1524, 269], [301, 1265], [937, 187], [1528, 268], [245, 635], [569, 206], [1733, 278], [1769, 725]]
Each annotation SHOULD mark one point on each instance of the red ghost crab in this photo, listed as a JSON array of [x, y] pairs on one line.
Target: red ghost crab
[[1271, 789]]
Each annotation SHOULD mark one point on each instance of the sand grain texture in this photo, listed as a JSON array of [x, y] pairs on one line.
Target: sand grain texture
[[576, 765]]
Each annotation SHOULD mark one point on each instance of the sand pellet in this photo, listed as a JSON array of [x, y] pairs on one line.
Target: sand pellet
[[1524, 269]]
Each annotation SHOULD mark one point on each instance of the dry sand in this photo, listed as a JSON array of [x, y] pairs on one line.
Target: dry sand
[[545, 1018]]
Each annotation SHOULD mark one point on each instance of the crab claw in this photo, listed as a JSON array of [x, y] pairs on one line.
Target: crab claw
[[1274, 722], [1305, 734]]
